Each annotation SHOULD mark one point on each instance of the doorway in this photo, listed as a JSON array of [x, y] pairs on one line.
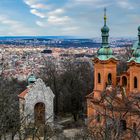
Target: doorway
[[39, 112]]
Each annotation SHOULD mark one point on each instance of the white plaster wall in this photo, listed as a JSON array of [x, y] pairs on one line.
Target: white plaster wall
[[39, 93]]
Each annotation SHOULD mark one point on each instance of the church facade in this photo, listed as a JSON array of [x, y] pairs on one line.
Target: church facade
[[36, 103], [114, 99]]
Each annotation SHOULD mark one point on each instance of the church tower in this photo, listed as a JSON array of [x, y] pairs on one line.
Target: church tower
[[134, 68], [105, 64]]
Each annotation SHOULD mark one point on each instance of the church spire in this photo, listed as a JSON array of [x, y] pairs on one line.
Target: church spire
[[105, 52], [105, 17], [105, 31], [136, 53]]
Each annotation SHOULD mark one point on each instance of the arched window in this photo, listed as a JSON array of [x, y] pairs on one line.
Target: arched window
[[124, 81], [109, 78], [99, 78], [135, 82]]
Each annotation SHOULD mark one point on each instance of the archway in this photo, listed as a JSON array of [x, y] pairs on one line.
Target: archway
[[39, 113], [124, 81]]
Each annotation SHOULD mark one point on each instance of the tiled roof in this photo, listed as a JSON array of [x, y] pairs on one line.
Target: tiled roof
[[22, 94]]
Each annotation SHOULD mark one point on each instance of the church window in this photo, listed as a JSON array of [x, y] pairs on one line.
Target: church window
[[99, 78], [135, 82], [124, 81], [109, 78]]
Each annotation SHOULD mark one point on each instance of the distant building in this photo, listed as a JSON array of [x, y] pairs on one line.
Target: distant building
[[47, 51], [36, 103]]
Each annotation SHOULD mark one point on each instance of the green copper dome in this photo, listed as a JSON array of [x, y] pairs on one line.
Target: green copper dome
[[31, 79], [136, 53], [136, 48], [139, 28], [105, 29], [135, 45], [105, 52], [139, 35]]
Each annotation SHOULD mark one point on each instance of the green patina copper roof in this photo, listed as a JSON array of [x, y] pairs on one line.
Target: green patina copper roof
[[136, 48], [139, 35], [139, 28], [105, 29], [105, 52], [31, 79], [106, 57], [135, 45]]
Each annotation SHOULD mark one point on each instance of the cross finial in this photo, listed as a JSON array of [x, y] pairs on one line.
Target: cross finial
[[105, 16]]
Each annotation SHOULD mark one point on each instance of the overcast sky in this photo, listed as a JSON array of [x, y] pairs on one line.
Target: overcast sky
[[69, 17]]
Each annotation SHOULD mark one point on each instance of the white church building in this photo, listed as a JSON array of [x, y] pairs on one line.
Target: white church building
[[36, 103]]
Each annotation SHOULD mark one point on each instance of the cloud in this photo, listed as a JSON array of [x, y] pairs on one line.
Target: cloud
[[125, 4], [41, 24], [70, 29], [62, 21], [36, 4], [88, 1], [30, 2], [49, 16], [15, 27], [134, 18], [40, 6], [55, 12], [58, 20], [93, 3], [37, 13]]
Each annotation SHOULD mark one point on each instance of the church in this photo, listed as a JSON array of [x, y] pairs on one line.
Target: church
[[36, 103], [115, 97]]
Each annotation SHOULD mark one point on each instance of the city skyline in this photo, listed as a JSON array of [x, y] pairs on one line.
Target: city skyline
[[82, 18]]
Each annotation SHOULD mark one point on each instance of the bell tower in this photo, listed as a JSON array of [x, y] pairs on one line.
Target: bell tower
[[134, 68], [105, 64]]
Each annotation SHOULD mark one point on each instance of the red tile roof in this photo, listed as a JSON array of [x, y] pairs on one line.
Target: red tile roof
[[22, 94]]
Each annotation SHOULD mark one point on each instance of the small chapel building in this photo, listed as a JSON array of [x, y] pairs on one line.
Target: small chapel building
[[119, 99], [36, 102]]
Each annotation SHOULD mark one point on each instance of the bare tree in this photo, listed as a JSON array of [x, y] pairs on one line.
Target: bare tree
[[110, 119], [9, 111], [71, 80]]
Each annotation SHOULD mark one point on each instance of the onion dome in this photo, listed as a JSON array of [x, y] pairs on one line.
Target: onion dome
[[105, 52], [105, 29], [135, 45], [136, 52], [31, 79], [139, 35], [139, 28]]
